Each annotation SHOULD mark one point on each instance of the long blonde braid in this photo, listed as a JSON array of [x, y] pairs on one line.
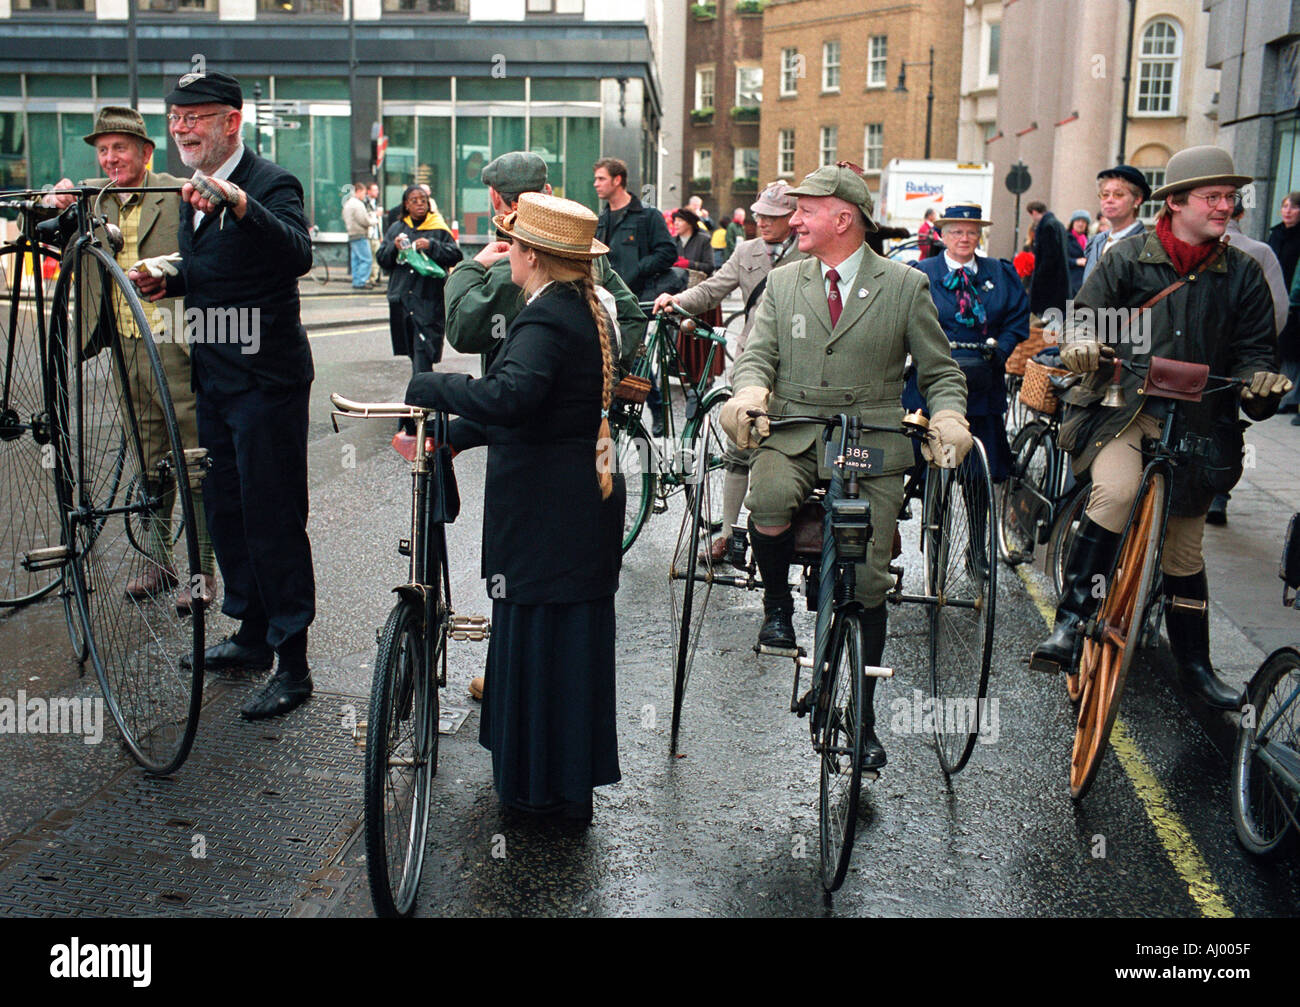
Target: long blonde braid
[[603, 442]]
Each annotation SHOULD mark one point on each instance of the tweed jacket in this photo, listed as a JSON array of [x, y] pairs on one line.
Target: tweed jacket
[[156, 234], [858, 367], [745, 269]]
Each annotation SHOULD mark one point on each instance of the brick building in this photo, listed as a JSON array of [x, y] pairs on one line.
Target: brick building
[[832, 70], [723, 92]]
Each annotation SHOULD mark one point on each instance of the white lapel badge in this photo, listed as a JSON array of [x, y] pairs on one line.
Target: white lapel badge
[[988, 284], [862, 292]]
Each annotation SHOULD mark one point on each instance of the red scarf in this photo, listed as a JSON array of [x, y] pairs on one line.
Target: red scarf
[[1184, 255]]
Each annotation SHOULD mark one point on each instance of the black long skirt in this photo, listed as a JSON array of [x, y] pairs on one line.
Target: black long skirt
[[548, 702]]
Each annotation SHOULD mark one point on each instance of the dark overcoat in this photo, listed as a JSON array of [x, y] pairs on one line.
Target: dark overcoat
[[548, 538], [1223, 316], [421, 297]]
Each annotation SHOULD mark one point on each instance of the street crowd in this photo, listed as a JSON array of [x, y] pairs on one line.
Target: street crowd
[[554, 304]]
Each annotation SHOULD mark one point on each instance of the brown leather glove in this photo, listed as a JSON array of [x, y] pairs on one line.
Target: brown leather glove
[[741, 428], [949, 439]]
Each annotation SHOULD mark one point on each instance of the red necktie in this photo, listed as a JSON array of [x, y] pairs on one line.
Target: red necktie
[[833, 296]]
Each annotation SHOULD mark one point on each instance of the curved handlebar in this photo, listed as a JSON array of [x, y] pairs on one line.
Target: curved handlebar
[[913, 425], [374, 410]]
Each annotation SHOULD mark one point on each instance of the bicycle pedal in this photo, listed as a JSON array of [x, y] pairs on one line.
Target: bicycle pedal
[[1043, 664], [359, 734], [763, 648], [870, 775], [47, 558], [197, 458], [875, 671], [469, 627], [1196, 605]]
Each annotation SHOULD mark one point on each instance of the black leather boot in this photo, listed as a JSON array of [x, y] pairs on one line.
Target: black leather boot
[[773, 554], [1091, 555], [873, 648], [1189, 639]]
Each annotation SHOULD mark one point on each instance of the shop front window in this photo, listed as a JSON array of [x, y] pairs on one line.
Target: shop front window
[[473, 151]]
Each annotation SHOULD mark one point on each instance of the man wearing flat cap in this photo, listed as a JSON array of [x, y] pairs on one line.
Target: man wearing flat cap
[[147, 222], [244, 241], [1121, 190], [481, 298], [1208, 304], [831, 336], [746, 269]]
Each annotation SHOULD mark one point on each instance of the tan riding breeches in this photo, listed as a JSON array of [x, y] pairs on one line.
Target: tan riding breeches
[[1115, 474]]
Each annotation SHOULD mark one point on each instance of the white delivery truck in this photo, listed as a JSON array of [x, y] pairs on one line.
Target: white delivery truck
[[909, 188]]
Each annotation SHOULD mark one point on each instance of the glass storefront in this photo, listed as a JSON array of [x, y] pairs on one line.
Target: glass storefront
[[439, 131]]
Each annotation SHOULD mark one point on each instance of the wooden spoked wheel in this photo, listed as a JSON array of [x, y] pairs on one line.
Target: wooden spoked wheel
[[1108, 654]]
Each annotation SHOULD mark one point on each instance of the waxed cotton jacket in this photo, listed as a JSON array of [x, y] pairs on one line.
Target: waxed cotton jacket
[[1222, 317], [857, 367], [640, 248]]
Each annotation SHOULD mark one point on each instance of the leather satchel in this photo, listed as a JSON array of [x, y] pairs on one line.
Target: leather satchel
[[1175, 379]]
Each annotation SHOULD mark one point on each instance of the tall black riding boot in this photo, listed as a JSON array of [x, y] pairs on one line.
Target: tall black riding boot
[[1189, 639], [1091, 555], [773, 554], [873, 648]]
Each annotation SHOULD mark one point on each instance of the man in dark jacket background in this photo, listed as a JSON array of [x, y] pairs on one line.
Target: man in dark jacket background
[[244, 241], [640, 248], [1050, 285]]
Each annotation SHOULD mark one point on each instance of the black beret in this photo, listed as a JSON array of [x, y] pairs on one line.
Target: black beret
[[1129, 174], [205, 88]]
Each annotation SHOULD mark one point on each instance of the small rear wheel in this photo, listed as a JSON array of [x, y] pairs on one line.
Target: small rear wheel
[[634, 456], [401, 754], [1265, 808], [840, 744], [1023, 503]]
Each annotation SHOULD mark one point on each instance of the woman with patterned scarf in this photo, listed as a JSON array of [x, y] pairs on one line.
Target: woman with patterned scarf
[[978, 298]]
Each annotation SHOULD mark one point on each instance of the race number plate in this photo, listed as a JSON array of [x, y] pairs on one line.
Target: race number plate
[[858, 458]]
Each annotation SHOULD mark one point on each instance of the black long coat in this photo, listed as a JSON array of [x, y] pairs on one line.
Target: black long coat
[[250, 264], [421, 297], [548, 538], [1049, 287]]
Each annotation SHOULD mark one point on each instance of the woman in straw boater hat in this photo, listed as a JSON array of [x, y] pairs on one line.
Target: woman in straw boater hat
[[552, 516]]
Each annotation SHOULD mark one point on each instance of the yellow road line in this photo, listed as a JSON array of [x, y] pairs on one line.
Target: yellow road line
[[1174, 836], [348, 331]]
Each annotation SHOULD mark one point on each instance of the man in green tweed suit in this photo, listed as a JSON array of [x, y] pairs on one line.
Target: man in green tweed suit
[[831, 336]]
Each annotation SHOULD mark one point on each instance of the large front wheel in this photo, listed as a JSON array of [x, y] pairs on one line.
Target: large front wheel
[[634, 456], [961, 582], [840, 743], [401, 754], [1265, 804], [1108, 653]]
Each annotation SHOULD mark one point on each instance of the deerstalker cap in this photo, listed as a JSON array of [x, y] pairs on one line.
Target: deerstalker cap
[[844, 181]]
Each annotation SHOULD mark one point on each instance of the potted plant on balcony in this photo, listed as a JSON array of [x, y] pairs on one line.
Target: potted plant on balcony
[[750, 8], [704, 11], [744, 183], [702, 116], [745, 113], [702, 184]]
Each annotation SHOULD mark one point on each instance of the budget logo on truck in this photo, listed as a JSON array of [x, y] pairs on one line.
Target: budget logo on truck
[[922, 190]]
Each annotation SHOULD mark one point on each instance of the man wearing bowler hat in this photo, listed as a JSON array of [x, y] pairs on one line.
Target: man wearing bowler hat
[[147, 222], [1121, 190], [831, 336], [244, 241], [1209, 304]]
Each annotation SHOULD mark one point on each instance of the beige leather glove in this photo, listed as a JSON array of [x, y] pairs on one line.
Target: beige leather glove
[[948, 441], [1082, 357], [158, 266], [1266, 384], [741, 428]]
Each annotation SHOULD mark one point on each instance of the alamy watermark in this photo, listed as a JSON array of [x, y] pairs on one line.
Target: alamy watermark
[[1110, 326], [208, 326], [951, 715], [60, 715]]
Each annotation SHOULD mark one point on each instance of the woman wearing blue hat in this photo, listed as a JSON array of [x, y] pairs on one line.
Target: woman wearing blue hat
[[977, 298]]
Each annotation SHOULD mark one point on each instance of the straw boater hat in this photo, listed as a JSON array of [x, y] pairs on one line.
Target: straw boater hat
[[551, 224], [966, 213], [1197, 166]]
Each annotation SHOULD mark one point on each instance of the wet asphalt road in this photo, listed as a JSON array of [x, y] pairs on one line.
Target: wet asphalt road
[[730, 828]]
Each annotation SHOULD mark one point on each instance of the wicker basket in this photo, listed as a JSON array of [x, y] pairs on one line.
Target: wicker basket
[[632, 389], [1036, 391], [1031, 347]]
